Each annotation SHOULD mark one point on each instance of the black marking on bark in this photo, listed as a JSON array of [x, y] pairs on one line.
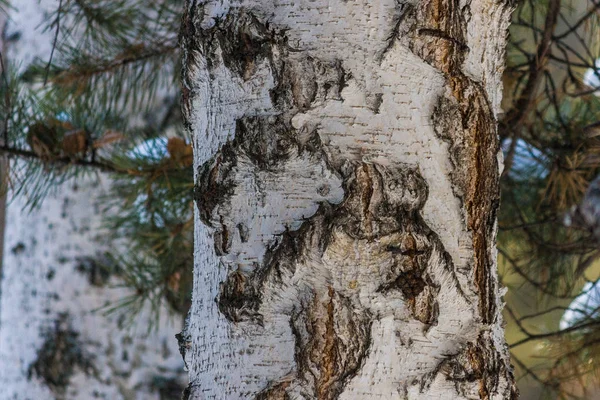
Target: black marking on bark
[[410, 283], [428, 378], [267, 144], [214, 183], [223, 239], [476, 361], [243, 232], [243, 42], [409, 272], [187, 392], [51, 274], [323, 190], [405, 13], [374, 102], [344, 78], [59, 357], [302, 79], [184, 340], [239, 298], [18, 248], [405, 252], [97, 270]]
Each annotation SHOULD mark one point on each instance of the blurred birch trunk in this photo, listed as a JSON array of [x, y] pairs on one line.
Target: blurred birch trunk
[[54, 344]]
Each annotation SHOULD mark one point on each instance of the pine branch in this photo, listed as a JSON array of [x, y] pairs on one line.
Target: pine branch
[[522, 106], [136, 53], [62, 160]]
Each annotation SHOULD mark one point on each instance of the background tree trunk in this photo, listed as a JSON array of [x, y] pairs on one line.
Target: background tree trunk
[[347, 186], [54, 344]]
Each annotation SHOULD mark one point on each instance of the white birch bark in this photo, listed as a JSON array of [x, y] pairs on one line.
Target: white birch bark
[[347, 187], [53, 342]]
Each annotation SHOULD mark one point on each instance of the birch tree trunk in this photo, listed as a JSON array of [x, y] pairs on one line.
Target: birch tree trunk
[[347, 168], [54, 344]]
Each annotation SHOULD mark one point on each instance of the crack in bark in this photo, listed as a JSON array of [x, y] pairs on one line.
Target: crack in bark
[[405, 13]]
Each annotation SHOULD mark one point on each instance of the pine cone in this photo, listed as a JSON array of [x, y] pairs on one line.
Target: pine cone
[[75, 143], [44, 141]]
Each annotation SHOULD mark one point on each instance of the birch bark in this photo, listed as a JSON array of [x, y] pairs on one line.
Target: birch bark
[[347, 170], [53, 342]]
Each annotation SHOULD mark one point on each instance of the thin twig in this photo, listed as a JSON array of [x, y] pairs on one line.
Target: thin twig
[[538, 336], [57, 22]]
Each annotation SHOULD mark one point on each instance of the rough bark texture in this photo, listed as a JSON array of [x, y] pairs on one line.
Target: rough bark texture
[[347, 188]]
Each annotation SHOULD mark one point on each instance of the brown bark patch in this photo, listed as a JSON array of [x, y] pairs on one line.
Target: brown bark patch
[[465, 119], [479, 362], [328, 357], [439, 40], [336, 344], [332, 340]]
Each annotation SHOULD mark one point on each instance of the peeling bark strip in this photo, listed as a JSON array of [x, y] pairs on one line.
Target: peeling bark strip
[[346, 189]]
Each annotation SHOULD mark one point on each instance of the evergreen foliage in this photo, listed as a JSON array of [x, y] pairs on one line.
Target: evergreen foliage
[[551, 138], [108, 102]]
